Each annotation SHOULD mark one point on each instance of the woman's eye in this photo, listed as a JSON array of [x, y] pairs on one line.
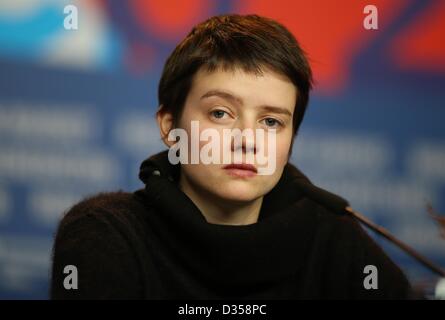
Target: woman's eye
[[271, 122], [218, 114]]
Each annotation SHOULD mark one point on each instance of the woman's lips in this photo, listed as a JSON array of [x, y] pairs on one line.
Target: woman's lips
[[241, 170]]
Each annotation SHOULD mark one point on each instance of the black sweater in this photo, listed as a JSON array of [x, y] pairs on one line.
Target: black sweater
[[155, 244]]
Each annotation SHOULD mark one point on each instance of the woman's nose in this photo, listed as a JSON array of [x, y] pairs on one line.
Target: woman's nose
[[243, 136]]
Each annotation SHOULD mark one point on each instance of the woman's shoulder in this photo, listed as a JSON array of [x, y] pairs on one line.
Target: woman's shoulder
[[101, 236], [118, 209], [352, 247], [114, 203], [342, 230]]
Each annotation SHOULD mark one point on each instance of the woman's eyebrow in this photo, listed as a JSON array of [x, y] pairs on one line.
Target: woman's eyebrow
[[238, 100], [277, 110], [223, 94]]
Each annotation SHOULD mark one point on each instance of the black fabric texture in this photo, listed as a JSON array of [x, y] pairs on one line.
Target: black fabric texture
[[154, 243]]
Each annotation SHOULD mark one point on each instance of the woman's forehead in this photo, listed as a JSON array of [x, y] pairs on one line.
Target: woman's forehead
[[269, 86]]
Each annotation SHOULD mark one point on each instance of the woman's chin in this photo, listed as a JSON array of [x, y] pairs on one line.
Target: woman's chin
[[239, 194]]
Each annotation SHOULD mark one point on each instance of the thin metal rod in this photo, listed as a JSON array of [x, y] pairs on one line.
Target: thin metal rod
[[383, 232]]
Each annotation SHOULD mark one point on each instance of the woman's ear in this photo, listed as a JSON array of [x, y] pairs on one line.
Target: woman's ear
[[166, 123]]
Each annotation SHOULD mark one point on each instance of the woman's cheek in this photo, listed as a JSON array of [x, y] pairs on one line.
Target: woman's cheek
[[283, 149]]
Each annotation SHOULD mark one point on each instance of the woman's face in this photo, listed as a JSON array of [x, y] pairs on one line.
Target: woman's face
[[238, 100]]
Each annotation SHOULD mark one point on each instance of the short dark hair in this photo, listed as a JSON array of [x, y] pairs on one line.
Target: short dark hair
[[250, 42]]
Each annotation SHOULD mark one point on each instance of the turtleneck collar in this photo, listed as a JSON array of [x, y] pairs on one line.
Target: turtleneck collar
[[282, 195], [223, 256]]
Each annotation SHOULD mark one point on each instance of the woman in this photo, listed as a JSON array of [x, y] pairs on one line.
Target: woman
[[222, 230]]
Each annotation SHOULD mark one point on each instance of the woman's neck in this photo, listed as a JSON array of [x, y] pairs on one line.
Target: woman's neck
[[221, 211]]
